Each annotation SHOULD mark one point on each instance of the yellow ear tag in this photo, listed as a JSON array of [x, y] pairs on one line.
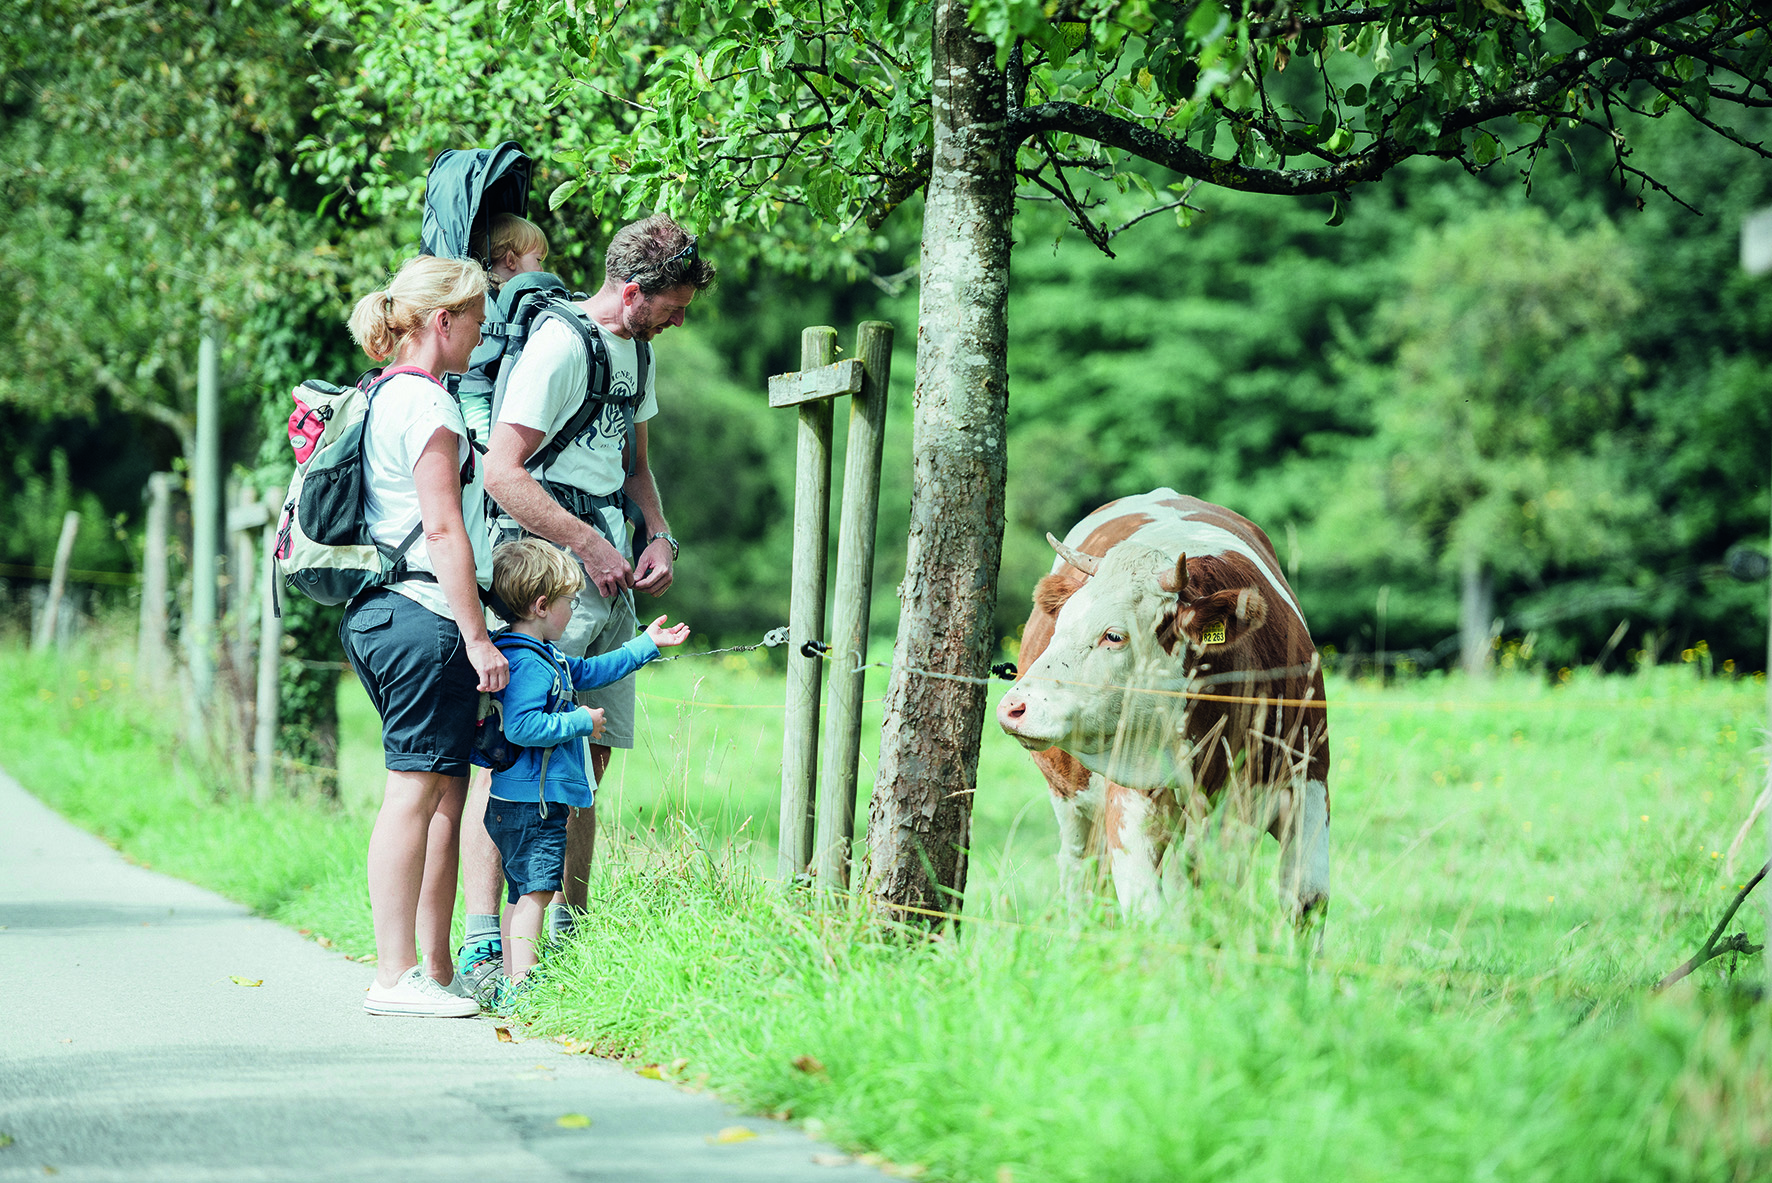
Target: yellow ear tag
[[1213, 634]]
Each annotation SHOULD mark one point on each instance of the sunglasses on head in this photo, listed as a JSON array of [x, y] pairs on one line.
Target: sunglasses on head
[[686, 255]]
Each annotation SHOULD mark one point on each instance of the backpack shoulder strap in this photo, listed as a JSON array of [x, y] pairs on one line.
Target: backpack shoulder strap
[[596, 380], [523, 641]]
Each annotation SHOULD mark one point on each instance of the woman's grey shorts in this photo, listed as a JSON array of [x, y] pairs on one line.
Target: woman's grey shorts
[[416, 670]]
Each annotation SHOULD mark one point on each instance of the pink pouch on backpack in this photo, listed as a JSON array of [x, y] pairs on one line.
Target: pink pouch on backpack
[[305, 428]]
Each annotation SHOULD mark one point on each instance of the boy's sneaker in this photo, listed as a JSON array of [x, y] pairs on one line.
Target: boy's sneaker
[[417, 994], [479, 968], [510, 995]]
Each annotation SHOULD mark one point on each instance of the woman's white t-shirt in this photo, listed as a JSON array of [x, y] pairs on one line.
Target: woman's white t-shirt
[[405, 413]]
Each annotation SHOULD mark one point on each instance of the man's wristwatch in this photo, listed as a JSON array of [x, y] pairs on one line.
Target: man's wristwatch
[[664, 534]]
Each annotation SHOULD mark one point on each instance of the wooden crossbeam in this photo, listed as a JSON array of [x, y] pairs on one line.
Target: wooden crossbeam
[[810, 386]]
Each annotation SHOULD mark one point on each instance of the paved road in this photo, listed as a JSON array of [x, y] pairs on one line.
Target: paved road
[[127, 1054]]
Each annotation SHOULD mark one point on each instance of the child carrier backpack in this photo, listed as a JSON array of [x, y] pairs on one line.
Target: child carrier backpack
[[492, 748], [323, 545], [465, 189]]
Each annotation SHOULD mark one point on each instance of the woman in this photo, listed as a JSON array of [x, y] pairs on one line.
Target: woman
[[419, 644]]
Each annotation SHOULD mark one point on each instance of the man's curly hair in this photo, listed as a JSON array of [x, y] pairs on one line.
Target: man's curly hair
[[656, 254]]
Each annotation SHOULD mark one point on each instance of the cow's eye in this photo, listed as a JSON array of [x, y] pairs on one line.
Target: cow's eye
[[1113, 638]]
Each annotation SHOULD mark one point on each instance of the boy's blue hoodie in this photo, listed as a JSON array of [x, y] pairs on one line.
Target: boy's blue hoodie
[[539, 714]]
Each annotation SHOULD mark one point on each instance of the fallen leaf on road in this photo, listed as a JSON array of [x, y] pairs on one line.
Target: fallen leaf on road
[[240, 981], [323, 942], [5, 1139], [678, 1065], [811, 1065], [504, 1034], [573, 1047], [832, 1160], [734, 1133], [573, 1121], [651, 1072]]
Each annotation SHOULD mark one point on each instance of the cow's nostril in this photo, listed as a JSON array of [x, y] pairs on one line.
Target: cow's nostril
[[1015, 710]]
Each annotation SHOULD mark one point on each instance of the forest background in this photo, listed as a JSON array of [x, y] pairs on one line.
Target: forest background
[[1544, 391]]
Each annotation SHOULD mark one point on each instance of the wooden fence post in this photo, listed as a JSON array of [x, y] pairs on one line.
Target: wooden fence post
[[152, 659], [812, 517], [270, 654], [205, 525], [851, 605], [44, 633]]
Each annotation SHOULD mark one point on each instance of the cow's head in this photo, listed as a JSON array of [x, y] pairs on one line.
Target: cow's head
[[1131, 628]]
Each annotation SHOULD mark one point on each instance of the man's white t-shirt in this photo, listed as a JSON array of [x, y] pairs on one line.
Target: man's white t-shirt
[[406, 412], [546, 387]]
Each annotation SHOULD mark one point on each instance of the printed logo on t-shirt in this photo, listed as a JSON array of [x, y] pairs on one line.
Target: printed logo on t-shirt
[[609, 424]]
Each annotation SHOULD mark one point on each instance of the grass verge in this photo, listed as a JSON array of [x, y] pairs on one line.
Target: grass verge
[[1514, 863]]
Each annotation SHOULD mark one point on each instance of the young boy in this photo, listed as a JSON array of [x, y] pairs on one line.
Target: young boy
[[526, 816], [514, 245]]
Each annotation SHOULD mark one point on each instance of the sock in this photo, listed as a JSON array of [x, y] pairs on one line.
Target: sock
[[559, 921], [481, 927]]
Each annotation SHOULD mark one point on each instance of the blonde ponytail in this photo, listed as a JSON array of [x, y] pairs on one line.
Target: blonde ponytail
[[383, 320]]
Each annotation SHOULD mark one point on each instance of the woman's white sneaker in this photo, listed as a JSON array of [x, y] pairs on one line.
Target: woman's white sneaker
[[417, 994]]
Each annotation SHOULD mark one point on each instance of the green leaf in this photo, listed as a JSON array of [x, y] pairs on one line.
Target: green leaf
[[1355, 95], [1484, 148], [1534, 14], [1208, 23]]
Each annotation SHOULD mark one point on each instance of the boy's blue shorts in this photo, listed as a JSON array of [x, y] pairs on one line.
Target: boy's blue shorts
[[533, 847]]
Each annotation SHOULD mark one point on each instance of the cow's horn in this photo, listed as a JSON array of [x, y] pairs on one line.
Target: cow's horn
[[1076, 558], [1176, 580]]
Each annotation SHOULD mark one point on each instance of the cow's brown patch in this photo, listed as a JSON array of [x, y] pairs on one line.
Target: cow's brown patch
[[1052, 591], [1113, 532], [1195, 510]]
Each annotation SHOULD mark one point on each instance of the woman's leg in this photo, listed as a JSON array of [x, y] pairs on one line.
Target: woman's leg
[[436, 898], [397, 865]]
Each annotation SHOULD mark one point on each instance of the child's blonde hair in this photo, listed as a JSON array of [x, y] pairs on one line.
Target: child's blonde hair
[[530, 569], [384, 318], [515, 235]]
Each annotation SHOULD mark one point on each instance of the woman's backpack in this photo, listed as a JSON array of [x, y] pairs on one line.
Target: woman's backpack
[[323, 545]]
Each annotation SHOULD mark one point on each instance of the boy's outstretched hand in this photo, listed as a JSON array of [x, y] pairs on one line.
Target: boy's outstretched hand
[[662, 636]]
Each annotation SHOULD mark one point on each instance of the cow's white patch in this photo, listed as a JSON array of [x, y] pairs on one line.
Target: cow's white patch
[[1173, 534], [1137, 855], [1304, 851]]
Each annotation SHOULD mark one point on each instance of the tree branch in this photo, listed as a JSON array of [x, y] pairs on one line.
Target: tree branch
[[1712, 949], [1370, 164]]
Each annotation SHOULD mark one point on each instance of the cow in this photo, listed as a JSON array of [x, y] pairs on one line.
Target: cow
[[1166, 661]]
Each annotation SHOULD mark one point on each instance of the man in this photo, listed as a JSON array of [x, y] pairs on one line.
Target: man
[[583, 499]]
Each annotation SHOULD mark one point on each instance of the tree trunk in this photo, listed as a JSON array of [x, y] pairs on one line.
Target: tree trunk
[[922, 805], [1476, 617]]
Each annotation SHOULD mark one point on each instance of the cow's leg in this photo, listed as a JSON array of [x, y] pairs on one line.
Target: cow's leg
[[1079, 819], [1140, 826], [1304, 850], [1076, 803]]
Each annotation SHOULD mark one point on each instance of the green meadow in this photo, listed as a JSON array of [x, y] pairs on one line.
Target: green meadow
[[1515, 862]]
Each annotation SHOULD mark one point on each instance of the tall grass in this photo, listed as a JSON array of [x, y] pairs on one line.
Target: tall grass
[[1514, 863]]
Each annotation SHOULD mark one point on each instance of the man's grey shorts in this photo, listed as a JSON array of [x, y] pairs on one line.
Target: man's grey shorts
[[598, 626]]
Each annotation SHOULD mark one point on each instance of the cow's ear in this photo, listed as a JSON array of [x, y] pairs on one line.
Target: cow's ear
[[1052, 591], [1222, 619]]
